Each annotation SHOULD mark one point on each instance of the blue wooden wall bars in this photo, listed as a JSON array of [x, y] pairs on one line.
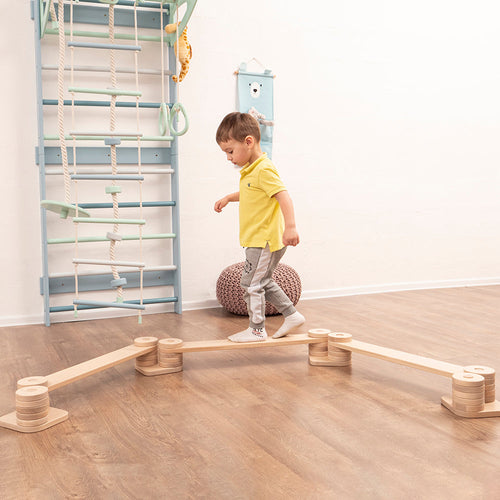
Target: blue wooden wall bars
[[102, 156], [119, 104], [98, 303], [88, 13], [108, 46], [174, 160], [129, 204], [66, 284], [40, 157], [97, 14], [106, 177], [159, 300], [125, 237]]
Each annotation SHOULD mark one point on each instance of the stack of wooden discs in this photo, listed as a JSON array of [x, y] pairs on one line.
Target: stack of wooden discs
[[468, 392], [489, 380], [32, 405], [167, 358], [149, 359], [339, 357], [319, 349], [29, 381]]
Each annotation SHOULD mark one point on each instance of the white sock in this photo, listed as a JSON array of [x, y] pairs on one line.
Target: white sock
[[249, 335], [292, 321]]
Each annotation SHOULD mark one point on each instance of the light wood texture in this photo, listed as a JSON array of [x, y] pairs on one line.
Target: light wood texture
[[261, 423], [55, 416], [151, 371], [226, 345], [490, 409], [29, 381], [401, 358], [95, 365], [325, 361]]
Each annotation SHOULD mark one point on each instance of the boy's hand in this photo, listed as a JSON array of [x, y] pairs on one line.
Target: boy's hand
[[291, 237], [220, 204], [290, 234]]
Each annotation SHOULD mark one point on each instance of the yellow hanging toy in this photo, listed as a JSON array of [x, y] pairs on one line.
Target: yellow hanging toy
[[182, 50]]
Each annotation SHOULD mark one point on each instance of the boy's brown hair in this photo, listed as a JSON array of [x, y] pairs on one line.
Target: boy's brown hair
[[237, 126]]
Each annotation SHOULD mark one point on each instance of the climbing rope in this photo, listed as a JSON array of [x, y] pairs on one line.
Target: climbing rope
[[139, 159], [59, 19], [114, 167], [60, 98], [72, 82]]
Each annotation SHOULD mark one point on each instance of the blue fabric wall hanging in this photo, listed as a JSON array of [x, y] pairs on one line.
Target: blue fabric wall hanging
[[255, 96]]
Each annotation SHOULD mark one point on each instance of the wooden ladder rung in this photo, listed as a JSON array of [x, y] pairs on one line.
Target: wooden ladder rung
[[107, 177], [98, 262], [109, 46], [100, 303], [97, 220], [120, 92], [107, 133]]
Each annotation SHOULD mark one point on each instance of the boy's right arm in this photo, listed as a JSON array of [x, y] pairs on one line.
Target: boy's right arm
[[220, 204]]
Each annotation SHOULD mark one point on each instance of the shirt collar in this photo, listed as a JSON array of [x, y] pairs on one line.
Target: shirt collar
[[250, 166]]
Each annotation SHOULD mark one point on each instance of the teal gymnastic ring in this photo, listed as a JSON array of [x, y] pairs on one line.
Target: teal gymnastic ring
[[44, 16], [109, 2], [164, 118], [176, 108]]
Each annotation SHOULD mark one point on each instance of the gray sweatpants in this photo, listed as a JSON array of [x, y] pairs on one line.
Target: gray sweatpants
[[258, 285]]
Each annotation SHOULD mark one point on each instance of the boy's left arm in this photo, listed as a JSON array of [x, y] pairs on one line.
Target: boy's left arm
[[290, 235]]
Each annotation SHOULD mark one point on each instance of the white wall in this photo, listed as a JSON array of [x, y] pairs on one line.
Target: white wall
[[387, 125]]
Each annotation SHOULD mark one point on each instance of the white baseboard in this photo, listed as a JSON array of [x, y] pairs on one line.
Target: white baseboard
[[32, 319], [213, 303], [365, 290], [397, 287], [200, 304]]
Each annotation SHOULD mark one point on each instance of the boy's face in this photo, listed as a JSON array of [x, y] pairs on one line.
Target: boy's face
[[239, 153]]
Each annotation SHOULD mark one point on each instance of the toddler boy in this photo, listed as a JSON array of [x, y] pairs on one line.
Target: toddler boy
[[267, 225]]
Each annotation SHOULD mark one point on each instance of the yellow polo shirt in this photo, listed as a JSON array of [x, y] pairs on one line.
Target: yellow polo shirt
[[261, 220]]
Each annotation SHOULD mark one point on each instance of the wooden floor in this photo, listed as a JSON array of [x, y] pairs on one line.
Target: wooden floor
[[261, 424]]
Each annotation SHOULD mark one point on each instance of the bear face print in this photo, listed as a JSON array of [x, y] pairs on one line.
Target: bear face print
[[255, 89]]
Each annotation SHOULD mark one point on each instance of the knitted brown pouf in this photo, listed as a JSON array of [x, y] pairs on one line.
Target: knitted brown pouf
[[230, 293]]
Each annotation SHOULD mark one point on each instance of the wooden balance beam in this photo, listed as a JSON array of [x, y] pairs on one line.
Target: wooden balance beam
[[473, 387], [35, 410]]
